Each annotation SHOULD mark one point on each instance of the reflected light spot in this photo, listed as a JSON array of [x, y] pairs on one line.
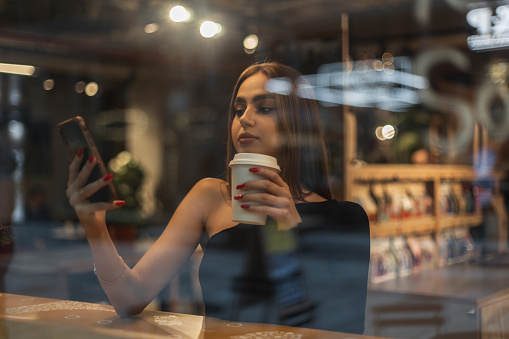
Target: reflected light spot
[[151, 28], [378, 65], [208, 29], [48, 84], [16, 130], [388, 57], [388, 132], [251, 41], [91, 89], [378, 133], [179, 14], [388, 67], [249, 51], [15, 97], [80, 87]]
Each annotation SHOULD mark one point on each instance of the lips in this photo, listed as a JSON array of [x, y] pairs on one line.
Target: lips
[[246, 138]]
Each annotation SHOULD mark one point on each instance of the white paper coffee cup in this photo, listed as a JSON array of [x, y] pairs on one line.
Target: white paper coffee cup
[[240, 166]]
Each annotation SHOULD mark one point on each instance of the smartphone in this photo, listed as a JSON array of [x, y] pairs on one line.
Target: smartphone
[[76, 136]]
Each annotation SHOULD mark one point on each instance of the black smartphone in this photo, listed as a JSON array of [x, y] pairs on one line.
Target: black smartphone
[[76, 136]]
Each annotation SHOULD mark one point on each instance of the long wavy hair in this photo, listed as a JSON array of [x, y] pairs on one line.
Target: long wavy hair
[[303, 158]]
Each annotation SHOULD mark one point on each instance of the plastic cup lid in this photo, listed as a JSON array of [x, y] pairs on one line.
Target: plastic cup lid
[[255, 159]]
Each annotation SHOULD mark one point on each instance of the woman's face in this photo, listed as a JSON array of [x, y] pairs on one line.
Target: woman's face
[[254, 128]]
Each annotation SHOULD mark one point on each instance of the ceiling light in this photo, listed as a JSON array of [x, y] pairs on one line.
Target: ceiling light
[[208, 29], [251, 42], [17, 69], [179, 14]]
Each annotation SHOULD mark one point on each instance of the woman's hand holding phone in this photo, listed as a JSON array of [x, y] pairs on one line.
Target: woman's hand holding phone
[[91, 214]]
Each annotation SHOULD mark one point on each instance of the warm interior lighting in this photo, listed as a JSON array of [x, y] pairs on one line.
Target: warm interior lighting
[[208, 29], [80, 87], [151, 28], [388, 131], [48, 84], [17, 69], [378, 133], [179, 14], [251, 41], [91, 89]]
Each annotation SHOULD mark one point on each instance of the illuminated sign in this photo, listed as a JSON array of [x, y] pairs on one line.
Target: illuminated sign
[[387, 85], [493, 29]]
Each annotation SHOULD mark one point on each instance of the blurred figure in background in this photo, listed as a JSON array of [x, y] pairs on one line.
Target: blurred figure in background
[[7, 197]]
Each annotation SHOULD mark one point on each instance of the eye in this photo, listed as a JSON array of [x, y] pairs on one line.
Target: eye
[[265, 109], [239, 111]]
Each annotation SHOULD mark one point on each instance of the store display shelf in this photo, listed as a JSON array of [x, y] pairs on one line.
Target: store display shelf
[[382, 172], [423, 225], [469, 220], [403, 227]]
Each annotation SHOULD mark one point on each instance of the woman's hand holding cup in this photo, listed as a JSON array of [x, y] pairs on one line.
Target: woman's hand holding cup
[[258, 191]]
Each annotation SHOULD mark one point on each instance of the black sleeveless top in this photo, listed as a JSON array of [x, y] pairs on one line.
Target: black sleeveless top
[[313, 276]]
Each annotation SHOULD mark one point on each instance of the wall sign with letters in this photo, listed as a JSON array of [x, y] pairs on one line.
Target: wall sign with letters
[[493, 30]]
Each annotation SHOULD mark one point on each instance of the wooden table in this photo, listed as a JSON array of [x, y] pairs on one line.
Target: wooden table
[[31, 317]]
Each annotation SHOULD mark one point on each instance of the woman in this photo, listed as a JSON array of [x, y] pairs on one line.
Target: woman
[[286, 127]]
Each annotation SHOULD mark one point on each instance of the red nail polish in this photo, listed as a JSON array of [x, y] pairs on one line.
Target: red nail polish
[[254, 169], [108, 177], [120, 203], [80, 153], [238, 197], [244, 206], [91, 159], [241, 186]]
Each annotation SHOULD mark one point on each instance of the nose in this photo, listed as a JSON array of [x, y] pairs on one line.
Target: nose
[[248, 117]]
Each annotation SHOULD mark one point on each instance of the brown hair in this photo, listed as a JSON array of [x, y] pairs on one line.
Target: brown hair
[[303, 159]]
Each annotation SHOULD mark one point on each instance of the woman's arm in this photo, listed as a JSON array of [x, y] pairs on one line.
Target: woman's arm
[[130, 290]]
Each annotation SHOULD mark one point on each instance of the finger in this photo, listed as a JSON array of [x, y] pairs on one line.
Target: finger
[[269, 174], [264, 199], [99, 206], [74, 167], [268, 187], [90, 189]]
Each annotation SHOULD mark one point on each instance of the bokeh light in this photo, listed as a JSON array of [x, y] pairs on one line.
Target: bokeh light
[[91, 89], [80, 87], [251, 41], [151, 28], [180, 14], [48, 84], [388, 131], [208, 29]]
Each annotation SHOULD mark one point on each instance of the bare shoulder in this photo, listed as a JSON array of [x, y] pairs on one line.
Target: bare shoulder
[[210, 192], [211, 186]]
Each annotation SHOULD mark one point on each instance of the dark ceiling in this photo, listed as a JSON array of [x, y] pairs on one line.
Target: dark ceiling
[[114, 29]]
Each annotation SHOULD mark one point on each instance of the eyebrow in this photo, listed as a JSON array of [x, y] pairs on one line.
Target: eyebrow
[[258, 97]]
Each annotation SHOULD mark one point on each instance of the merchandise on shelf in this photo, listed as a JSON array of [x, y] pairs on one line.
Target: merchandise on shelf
[[383, 262], [459, 195], [381, 200], [429, 252], [403, 256], [445, 200], [415, 249], [362, 196]]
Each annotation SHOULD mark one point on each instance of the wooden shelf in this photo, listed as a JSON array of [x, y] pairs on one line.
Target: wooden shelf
[[382, 172], [424, 225], [403, 227], [469, 220]]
